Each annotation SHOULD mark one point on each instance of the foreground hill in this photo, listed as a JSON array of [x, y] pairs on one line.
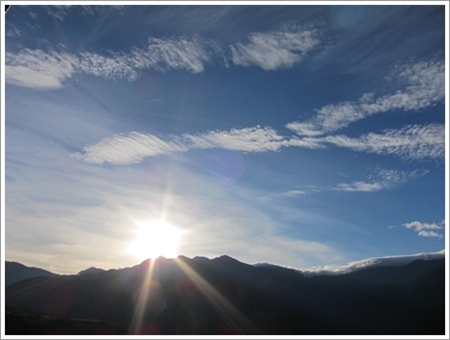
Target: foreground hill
[[225, 296], [15, 272], [20, 322]]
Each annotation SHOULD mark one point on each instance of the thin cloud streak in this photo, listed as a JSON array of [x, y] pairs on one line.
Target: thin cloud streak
[[134, 147], [383, 180]]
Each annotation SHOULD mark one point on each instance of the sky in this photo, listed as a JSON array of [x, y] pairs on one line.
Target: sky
[[302, 136]]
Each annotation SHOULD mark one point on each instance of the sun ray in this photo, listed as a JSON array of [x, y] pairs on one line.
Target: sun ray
[[220, 303], [142, 298]]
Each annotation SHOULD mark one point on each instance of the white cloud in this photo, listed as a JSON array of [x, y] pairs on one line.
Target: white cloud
[[426, 229], [38, 69], [179, 54], [277, 49], [134, 147], [395, 261], [254, 139], [427, 233], [361, 186], [425, 88], [410, 142], [114, 67], [292, 193], [48, 70], [127, 149]]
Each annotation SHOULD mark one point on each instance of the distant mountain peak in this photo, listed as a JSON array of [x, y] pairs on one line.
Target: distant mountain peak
[[226, 258], [91, 270]]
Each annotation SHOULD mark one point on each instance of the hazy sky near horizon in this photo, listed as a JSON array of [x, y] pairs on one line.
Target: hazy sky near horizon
[[296, 135]]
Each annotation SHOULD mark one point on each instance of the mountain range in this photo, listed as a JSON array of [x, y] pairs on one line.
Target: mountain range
[[223, 296]]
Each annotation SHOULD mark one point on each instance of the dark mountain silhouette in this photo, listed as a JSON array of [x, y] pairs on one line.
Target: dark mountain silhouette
[[224, 296], [15, 272]]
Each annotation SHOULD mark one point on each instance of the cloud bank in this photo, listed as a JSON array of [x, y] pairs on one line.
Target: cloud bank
[[394, 261]]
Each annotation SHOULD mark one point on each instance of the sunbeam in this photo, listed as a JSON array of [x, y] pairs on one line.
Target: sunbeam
[[143, 296], [220, 303]]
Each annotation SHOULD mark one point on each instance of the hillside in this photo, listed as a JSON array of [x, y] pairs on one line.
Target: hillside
[[225, 296]]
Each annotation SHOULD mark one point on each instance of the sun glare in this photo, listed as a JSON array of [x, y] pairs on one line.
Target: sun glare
[[155, 238]]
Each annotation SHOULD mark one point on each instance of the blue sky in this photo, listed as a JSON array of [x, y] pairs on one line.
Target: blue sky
[[304, 136]]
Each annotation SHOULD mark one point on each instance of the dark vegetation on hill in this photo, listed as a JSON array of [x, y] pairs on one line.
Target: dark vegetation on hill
[[21, 322], [224, 296]]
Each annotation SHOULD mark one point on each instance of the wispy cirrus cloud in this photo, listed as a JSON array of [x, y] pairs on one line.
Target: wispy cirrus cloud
[[134, 147], [276, 49], [383, 179], [426, 229], [412, 142], [293, 193], [425, 87]]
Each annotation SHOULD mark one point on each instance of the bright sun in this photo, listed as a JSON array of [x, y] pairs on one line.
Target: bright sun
[[155, 238]]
